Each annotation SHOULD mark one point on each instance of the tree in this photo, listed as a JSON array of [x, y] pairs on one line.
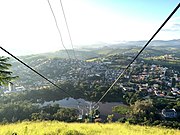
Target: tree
[[5, 73], [122, 109], [66, 114], [110, 118], [144, 110]]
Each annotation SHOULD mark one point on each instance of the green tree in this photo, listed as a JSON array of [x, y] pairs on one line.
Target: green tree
[[144, 110], [66, 114], [110, 118], [5, 73], [122, 109]]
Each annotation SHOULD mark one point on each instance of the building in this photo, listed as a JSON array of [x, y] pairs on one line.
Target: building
[[10, 86], [169, 113]]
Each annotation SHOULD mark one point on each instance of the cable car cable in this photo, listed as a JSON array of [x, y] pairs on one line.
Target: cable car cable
[[70, 38], [37, 72], [159, 29], [60, 35]]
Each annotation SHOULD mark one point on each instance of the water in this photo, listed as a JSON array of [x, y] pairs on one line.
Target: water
[[68, 102], [84, 106]]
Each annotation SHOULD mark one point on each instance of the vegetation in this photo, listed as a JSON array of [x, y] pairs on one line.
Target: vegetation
[[147, 112], [89, 80], [5, 74], [51, 93], [19, 111], [59, 128]]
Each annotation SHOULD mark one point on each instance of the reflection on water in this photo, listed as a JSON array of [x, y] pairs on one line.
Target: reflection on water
[[104, 108], [68, 102]]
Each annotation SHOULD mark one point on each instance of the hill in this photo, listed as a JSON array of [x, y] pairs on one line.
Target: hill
[[96, 50], [59, 128], [56, 66], [165, 43], [80, 54]]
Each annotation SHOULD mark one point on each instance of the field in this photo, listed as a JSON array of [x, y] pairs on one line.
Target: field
[[60, 128]]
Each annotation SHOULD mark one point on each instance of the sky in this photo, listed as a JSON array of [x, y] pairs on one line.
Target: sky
[[28, 26]]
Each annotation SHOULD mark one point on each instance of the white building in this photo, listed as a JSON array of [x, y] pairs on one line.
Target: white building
[[11, 86]]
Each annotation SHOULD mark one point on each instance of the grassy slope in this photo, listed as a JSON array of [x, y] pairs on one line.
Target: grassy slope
[[59, 128]]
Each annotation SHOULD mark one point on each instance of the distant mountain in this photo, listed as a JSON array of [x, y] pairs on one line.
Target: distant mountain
[[83, 55], [155, 47], [172, 43]]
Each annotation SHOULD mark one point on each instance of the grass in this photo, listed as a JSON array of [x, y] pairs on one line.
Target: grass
[[60, 128]]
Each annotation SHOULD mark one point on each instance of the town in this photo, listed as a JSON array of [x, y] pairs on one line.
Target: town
[[142, 76], [150, 85]]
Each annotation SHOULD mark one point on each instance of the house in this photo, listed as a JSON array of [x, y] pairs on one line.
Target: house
[[159, 93], [155, 85], [169, 113]]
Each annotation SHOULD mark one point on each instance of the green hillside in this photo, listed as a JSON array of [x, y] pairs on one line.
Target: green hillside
[[60, 128], [88, 53]]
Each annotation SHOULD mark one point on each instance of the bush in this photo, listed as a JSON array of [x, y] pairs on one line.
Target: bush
[[157, 122], [170, 124], [122, 120], [132, 121]]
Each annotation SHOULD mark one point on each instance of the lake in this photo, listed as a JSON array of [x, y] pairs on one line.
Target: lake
[[84, 106]]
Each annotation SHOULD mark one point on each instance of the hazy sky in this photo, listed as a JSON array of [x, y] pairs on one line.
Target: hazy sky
[[27, 26]]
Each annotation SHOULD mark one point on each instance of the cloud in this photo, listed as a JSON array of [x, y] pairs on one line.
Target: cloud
[[171, 30], [177, 25], [173, 25]]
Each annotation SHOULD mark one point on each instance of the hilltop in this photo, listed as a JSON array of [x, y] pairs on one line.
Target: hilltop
[[59, 128]]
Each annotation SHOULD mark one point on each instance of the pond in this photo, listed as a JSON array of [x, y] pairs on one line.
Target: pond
[[84, 106]]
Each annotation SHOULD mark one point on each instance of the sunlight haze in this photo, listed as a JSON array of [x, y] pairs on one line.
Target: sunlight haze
[[27, 26]]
